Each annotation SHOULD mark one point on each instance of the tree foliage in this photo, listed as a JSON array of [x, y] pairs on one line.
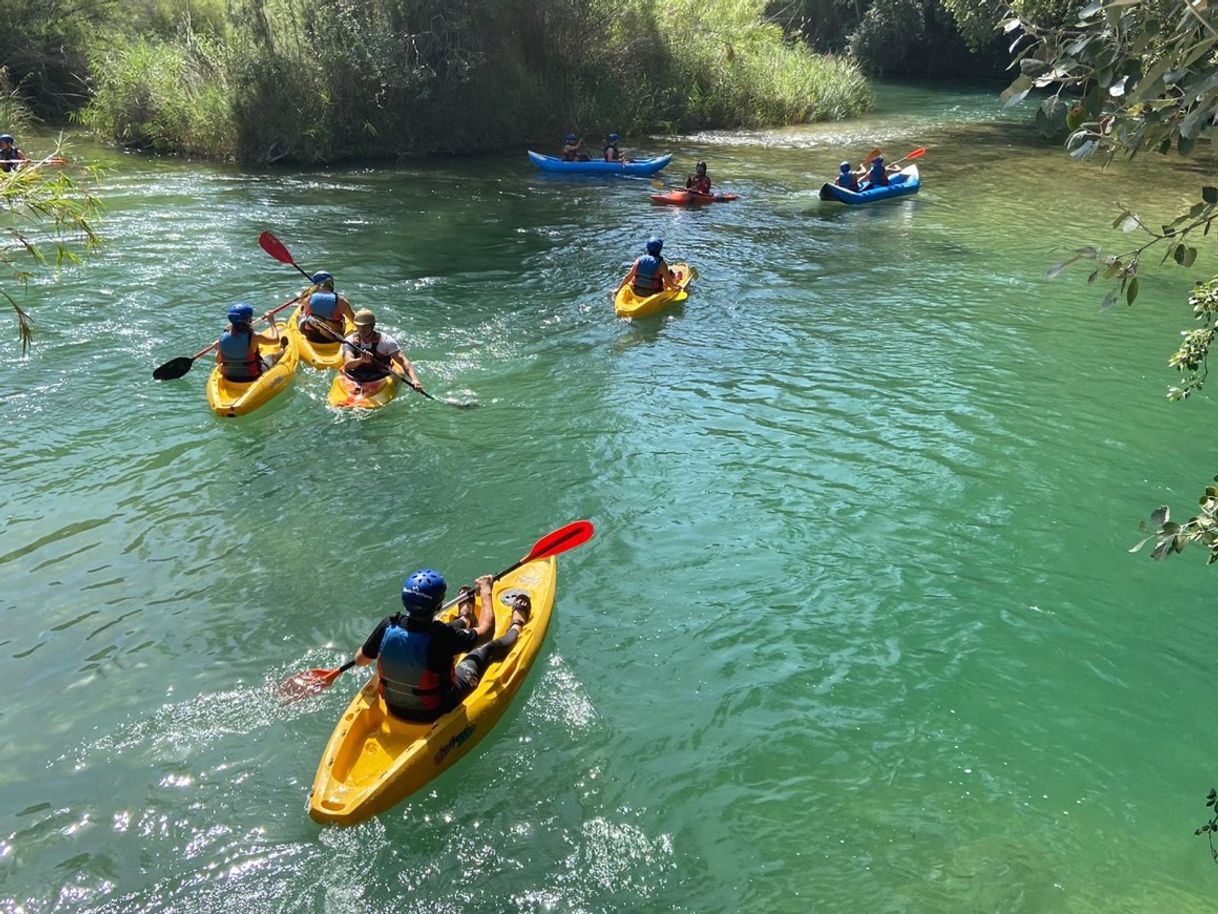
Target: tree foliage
[[39, 200], [1131, 77]]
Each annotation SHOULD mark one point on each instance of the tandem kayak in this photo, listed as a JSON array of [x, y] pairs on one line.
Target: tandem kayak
[[681, 197], [348, 394], [627, 304], [902, 184], [230, 399], [637, 167], [319, 355], [374, 760]]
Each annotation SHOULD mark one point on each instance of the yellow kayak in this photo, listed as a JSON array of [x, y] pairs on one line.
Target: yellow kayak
[[348, 394], [319, 355], [374, 760], [627, 304], [230, 399]]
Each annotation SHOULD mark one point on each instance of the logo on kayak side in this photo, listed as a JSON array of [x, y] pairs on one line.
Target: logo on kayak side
[[453, 743]]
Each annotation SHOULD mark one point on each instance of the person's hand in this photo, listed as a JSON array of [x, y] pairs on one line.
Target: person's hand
[[485, 583], [416, 385]]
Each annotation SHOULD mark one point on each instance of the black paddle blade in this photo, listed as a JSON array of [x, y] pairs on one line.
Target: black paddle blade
[[174, 368]]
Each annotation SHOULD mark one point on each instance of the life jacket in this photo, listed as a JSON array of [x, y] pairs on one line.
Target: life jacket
[[9, 155], [410, 687], [570, 155], [239, 355], [848, 181], [371, 372], [647, 279], [877, 175], [616, 155], [701, 185], [323, 305]]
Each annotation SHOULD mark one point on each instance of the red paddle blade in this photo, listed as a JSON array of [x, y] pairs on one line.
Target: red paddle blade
[[562, 539], [275, 248], [917, 153], [311, 682]]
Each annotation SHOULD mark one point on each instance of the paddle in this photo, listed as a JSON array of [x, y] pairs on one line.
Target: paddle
[[311, 682], [916, 154], [276, 249], [329, 331], [871, 156], [175, 368]]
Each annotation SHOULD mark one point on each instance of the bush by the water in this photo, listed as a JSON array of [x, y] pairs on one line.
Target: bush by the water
[[322, 80]]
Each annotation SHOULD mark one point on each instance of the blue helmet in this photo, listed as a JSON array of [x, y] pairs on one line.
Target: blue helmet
[[613, 138], [423, 592], [878, 160], [321, 276], [845, 167], [6, 138], [571, 138], [240, 314], [654, 245]]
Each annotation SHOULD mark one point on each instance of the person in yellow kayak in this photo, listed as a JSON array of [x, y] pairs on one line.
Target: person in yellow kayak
[[327, 306], [650, 274], [369, 355], [699, 182], [612, 152], [415, 653], [572, 150], [237, 353], [10, 155]]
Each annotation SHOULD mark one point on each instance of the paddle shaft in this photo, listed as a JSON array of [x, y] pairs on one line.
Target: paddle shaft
[[376, 357]]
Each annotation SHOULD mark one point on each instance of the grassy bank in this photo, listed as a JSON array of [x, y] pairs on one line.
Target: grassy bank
[[324, 80]]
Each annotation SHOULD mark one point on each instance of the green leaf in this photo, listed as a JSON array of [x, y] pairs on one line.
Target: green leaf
[[1190, 255], [1108, 300], [1184, 145], [1131, 292], [1209, 194]]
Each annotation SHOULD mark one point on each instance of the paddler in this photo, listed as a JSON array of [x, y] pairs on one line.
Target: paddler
[[359, 348], [415, 653], [612, 152], [10, 155], [571, 149], [698, 182], [238, 355], [877, 174], [327, 306], [650, 274], [846, 178]]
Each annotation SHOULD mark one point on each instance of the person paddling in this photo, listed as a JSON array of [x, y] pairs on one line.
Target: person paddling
[[415, 654], [238, 355], [612, 152], [699, 182], [650, 274], [360, 347], [327, 306], [10, 156], [877, 175], [846, 178], [571, 149]]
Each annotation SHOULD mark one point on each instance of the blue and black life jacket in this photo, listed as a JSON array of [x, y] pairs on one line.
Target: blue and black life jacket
[[239, 354], [647, 278], [847, 180], [324, 305], [410, 687], [615, 156], [878, 176]]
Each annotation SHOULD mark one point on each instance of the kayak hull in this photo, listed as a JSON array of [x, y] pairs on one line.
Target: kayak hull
[[230, 399], [596, 167], [905, 182], [318, 355], [627, 304], [373, 760], [689, 198], [348, 394]]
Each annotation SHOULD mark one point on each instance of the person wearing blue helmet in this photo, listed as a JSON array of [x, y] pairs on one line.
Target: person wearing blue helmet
[[877, 174], [846, 178], [237, 353], [572, 149], [10, 156], [327, 306], [415, 654], [612, 152], [650, 274]]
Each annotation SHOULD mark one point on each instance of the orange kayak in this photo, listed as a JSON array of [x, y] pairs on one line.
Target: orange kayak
[[689, 198]]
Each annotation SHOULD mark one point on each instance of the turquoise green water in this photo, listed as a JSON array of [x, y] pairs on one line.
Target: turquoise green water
[[858, 632]]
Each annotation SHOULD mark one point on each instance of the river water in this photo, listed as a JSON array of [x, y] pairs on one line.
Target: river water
[[858, 632]]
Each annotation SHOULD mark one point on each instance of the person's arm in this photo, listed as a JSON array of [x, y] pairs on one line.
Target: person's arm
[[399, 359], [634, 268], [344, 310], [355, 359], [486, 611], [670, 281], [689, 182]]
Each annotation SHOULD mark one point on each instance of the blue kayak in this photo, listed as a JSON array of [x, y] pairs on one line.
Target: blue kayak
[[902, 184], [597, 167]]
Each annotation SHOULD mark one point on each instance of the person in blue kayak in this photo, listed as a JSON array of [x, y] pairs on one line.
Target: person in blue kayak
[[327, 306], [237, 353], [650, 274], [846, 178], [572, 149], [10, 155], [369, 355], [415, 654], [699, 182], [612, 152], [877, 174]]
